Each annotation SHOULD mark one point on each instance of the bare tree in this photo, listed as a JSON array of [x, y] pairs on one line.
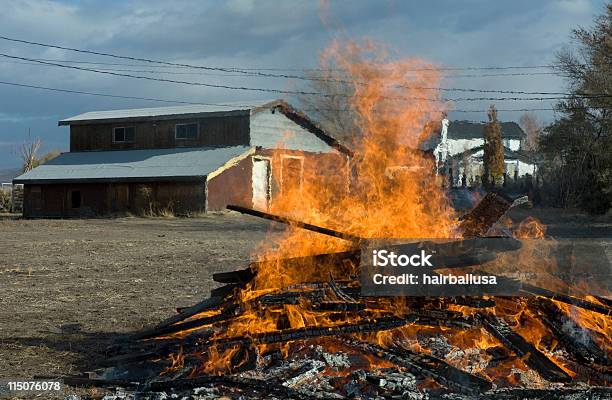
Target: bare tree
[[532, 127], [29, 154], [333, 111], [577, 147]]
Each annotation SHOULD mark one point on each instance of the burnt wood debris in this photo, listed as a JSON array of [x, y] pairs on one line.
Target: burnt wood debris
[[171, 356]]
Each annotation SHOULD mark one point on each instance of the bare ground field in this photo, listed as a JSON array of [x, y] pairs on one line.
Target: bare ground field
[[68, 288]]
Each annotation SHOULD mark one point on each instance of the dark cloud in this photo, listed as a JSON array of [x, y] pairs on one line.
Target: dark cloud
[[260, 33]]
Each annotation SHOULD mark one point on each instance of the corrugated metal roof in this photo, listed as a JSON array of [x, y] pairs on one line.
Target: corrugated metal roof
[[126, 165], [194, 110]]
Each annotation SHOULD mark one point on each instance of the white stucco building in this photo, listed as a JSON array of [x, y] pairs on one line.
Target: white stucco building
[[460, 149]]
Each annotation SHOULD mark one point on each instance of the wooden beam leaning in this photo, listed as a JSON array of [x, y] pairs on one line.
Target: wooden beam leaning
[[486, 213], [296, 223]]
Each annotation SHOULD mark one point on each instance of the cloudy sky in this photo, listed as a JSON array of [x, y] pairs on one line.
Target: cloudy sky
[[260, 34]]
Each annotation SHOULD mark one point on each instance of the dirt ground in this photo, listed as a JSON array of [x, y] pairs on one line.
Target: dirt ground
[[68, 288]]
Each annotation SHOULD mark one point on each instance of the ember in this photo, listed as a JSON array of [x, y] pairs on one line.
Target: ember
[[294, 324]]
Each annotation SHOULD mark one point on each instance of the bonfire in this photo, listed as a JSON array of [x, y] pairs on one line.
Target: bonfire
[[296, 324]]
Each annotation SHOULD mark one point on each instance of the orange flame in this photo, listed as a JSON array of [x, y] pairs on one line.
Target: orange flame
[[394, 193]]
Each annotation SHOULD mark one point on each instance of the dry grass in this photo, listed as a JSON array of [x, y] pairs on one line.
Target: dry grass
[[5, 200]]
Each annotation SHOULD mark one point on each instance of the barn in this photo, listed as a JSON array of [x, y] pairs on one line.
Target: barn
[[186, 160]]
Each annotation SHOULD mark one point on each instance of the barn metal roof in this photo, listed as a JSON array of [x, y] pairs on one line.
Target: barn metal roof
[[134, 165], [186, 111]]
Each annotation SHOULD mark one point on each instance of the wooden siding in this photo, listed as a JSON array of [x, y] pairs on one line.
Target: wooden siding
[[54, 200], [212, 131], [273, 130]]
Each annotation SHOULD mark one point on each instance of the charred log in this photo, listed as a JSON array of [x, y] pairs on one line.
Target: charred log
[[239, 276], [226, 314], [521, 347], [339, 306], [486, 213], [575, 339], [184, 313], [563, 298], [366, 326], [427, 366]]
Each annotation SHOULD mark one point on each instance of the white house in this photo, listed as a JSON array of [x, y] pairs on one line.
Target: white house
[[459, 152]]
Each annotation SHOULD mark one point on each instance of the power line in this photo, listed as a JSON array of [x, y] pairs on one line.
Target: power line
[[280, 91], [187, 66], [444, 89], [109, 95], [245, 71], [150, 61], [252, 71], [70, 91], [503, 74], [294, 92], [229, 69], [36, 63]]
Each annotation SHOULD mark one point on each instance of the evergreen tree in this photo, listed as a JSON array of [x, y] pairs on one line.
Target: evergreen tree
[[493, 159]]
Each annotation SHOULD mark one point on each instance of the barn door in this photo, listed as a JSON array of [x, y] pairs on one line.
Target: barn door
[[120, 197], [261, 183]]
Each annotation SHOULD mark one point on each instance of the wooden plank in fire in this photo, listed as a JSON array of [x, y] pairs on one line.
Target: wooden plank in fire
[[530, 355], [427, 366], [487, 212], [576, 340], [563, 298], [244, 275], [288, 335], [247, 274], [296, 223], [224, 315], [205, 305]]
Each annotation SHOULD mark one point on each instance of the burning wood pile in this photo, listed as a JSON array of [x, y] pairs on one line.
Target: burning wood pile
[[295, 323], [321, 339]]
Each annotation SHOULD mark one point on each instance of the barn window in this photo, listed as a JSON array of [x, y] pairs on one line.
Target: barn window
[[123, 134], [186, 131], [75, 199]]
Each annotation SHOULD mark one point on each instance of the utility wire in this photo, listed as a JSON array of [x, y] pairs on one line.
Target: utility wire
[[247, 70], [444, 89], [107, 95], [253, 71], [227, 105], [296, 92], [146, 60], [280, 91]]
